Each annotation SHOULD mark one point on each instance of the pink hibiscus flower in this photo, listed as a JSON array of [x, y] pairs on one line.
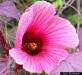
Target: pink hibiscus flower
[[41, 38]]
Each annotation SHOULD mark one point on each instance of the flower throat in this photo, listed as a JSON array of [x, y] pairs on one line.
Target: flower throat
[[30, 44]]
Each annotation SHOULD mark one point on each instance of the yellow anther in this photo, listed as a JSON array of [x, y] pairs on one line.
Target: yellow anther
[[32, 46]]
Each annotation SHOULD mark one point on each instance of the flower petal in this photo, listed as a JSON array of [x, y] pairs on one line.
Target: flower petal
[[62, 67], [8, 9], [43, 11], [24, 22], [73, 63], [19, 56], [32, 65], [60, 33], [51, 57], [80, 38]]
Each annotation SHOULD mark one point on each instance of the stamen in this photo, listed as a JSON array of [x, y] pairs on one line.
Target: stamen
[[32, 46]]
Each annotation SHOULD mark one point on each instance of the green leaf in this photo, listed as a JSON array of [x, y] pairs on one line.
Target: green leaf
[[73, 19], [1, 57], [55, 4], [34, 74], [9, 28], [1, 1], [33, 1], [81, 21], [51, 0], [60, 2], [43, 73]]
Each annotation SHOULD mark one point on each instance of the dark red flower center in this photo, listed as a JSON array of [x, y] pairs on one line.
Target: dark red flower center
[[31, 44]]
